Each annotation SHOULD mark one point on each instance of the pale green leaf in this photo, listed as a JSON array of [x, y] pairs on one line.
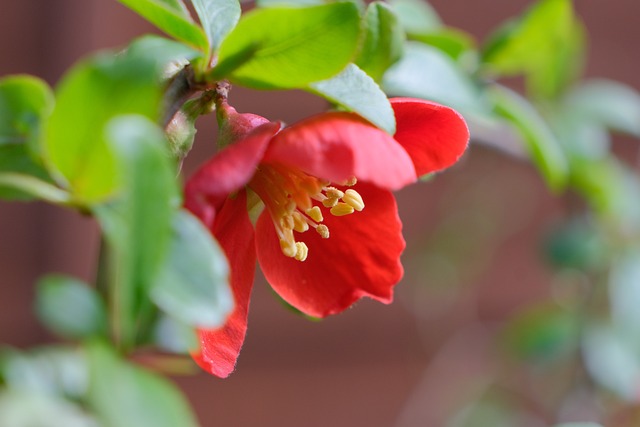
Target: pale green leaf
[[354, 90]]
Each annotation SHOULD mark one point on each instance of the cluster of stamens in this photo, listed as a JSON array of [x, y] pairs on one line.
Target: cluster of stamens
[[288, 195]]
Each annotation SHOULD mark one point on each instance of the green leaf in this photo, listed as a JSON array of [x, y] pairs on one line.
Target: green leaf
[[19, 408], [218, 17], [54, 370], [172, 18], [416, 16], [543, 148], [426, 72], [92, 93], [578, 425], [354, 90], [193, 284], [22, 178], [289, 47], [453, 42], [25, 102], [576, 245], [607, 102], [137, 224], [280, 3], [161, 51], [579, 136], [542, 333], [383, 40], [123, 395], [546, 44], [174, 336], [69, 307]]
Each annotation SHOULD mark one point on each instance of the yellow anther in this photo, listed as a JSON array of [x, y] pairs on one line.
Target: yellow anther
[[299, 224], [330, 202], [289, 247], [315, 214], [287, 222], [302, 251], [341, 209], [353, 199], [333, 193], [323, 231]]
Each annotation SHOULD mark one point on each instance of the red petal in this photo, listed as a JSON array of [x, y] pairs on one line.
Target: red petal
[[360, 258], [336, 146], [435, 136], [220, 347], [226, 172]]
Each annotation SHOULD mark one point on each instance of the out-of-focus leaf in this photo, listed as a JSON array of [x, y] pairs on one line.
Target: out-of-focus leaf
[[543, 333], [383, 40], [543, 148], [25, 102], [174, 336], [137, 224], [607, 102], [92, 93], [416, 16], [70, 307], [425, 72], [123, 395], [579, 136], [22, 178], [218, 17], [161, 51], [354, 90], [624, 294], [50, 370], [451, 41], [193, 283], [612, 361], [289, 47], [19, 408], [171, 17], [491, 410], [576, 244], [546, 44], [280, 3]]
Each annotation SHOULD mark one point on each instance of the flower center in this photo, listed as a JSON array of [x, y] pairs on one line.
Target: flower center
[[288, 195]]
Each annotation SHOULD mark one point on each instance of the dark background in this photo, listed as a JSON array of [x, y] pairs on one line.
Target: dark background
[[473, 257]]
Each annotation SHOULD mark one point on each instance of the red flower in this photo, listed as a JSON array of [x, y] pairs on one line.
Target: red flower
[[330, 233]]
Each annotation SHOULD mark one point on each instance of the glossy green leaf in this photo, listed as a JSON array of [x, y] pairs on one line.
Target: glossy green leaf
[[546, 44], [543, 148], [383, 40], [22, 178], [218, 17], [193, 284], [123, 395], [609, 103], [92, 93], [137, 224], [416, 16], [172, 18], [70, 307], [289, 47], [426, 72], [355, 91], [25, 101]]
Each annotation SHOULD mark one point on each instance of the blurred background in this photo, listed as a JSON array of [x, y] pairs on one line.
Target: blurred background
[[474, 249]]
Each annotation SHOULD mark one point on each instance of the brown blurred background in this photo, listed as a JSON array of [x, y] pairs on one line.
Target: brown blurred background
[[473, 256]]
